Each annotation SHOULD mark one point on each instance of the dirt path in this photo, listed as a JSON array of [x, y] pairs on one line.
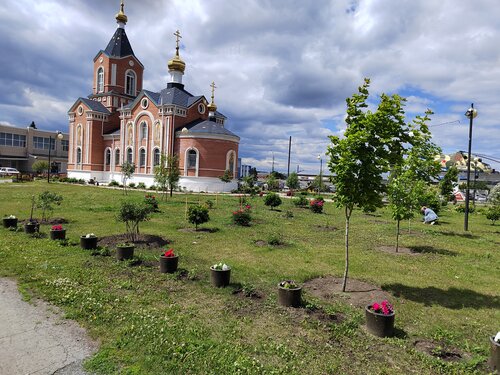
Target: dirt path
[[36, 340]]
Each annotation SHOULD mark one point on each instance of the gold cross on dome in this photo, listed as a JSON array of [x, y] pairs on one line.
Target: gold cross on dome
[[177, 38]]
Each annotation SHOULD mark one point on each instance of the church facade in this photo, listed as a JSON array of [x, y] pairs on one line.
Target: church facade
[[120, 121]]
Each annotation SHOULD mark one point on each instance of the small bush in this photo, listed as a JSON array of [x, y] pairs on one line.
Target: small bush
[[198, 215], [131, 185], [272, 200], [242, 217], [141, 185], [301, 201], [276, 239], [316, 205], [493, 214], [151, 201], [461, 208], [209, 204], [113, 183]]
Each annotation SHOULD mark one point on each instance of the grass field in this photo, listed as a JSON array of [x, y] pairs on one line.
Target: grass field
[[151, 323]]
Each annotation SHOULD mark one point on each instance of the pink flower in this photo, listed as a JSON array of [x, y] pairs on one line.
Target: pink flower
[[376, 307]]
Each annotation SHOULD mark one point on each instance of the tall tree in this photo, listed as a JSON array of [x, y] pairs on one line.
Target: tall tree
[[446, 184], [293, 181], [128, 170], [372, 142]]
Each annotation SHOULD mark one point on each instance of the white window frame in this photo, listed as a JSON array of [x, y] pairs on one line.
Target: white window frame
[[100, 80], [130, 90], [186, 160], [142, 157]]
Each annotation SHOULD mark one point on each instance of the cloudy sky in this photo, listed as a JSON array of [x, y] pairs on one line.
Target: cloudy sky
[[282, 67]]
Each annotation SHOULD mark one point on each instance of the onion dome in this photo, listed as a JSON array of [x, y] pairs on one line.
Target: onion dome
[[120, 16], [176, 62]]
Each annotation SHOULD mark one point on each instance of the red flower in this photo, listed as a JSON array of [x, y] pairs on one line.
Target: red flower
[[248, 207], [169, 253], [375, 306], [57, 227]]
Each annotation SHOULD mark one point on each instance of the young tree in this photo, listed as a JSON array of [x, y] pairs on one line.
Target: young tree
[[408, 180], [132, 214], [167, 173], [293, 181], [272, 200], [46, 200], [198, 215], [40, 166], [128, 170], [372, 142], [272, 183], [446, 184], [226, 177]]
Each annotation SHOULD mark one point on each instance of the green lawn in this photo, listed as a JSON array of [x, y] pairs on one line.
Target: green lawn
[[150, 323]]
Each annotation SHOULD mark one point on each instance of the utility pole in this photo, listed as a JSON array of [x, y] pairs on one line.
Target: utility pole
[[273, 164], [289, 152]]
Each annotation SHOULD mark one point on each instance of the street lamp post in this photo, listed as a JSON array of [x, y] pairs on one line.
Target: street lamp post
[[471, 114], [320, 172], [59, 136]]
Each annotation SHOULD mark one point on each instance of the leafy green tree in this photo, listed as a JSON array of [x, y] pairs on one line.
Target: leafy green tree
[[272, 200], [372, 143], [132, 214], [494, 195], [46, 202], [198, 215], [128, 170], [417, 168], [493, 214], [40, 166], [278, 175], [446, 184], [272, 183], [293, 181]]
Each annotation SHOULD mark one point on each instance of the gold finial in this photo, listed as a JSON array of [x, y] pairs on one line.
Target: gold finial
[[176, 63], [212, 107], [120, 16]]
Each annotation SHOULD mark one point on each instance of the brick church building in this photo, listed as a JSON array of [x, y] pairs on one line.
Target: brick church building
[[120, 121]]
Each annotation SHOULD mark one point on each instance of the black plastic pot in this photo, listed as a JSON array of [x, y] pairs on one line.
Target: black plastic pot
[[31, 228], [88, 243], [494, 355], [168, 264], [289, 297], [125, 252], [58, 234], [9, 223], [220, 278], [379, 324]]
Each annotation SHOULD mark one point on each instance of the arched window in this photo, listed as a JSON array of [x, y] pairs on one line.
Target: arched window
[[107, 157], [231, 164], [117, 156], [156, 156], [191, 158], [100, 80], [129, 155], [130, 83], [144, 130], [142, 157], [78, 155]]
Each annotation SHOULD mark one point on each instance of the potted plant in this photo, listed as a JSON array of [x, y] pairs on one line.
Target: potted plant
[[57, 232], [32, 225], [168, 261], [88, 241], [495, 352], [220, 274], [10, 221], [380, 319], [125, 251], [289, 293]]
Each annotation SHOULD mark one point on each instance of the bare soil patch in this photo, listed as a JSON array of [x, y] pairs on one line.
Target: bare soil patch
[[401, 250], [200, 230], [261, 243], [359, 293], [143, 241], [440, 351]]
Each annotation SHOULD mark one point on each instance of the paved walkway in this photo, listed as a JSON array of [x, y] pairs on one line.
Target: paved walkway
[[36, 340]]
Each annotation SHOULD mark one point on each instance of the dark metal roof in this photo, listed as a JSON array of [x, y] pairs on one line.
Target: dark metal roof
[[95, 106], [119, 46], [208, 127]]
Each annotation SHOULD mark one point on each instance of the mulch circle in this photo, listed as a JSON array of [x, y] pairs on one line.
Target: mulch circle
[[359, 293], [143, 241], [440, 351]]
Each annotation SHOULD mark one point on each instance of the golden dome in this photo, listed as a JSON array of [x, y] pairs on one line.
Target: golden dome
[[120, 16], [176, 62]]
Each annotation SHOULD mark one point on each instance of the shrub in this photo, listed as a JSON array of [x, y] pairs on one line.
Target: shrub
[[113, 183], [132, 185], [493, 214], [132, 214], [301, 201], [275, 239], [198, 215], [272, 200], [151, 201], [141, 185], [461, 208], [242, 216], [316, 205], [209, 204], [46, 200]]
